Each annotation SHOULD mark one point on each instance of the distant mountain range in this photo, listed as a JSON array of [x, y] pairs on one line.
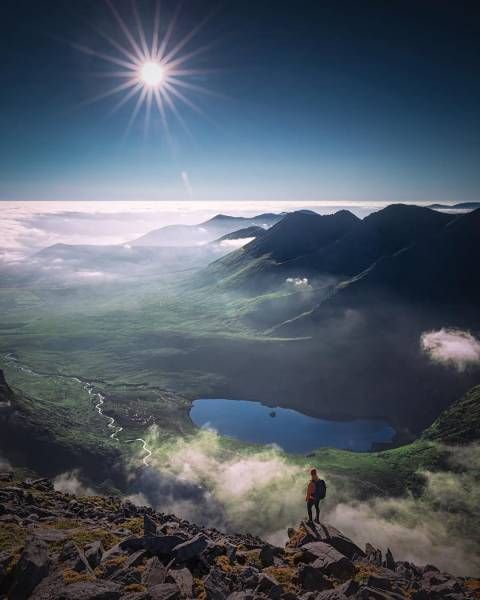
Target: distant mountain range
[[208, 231]]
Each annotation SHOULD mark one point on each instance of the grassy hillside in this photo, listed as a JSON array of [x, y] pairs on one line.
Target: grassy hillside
[[459, 424]]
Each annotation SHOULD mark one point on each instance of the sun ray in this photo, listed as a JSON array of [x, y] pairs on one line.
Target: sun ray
[[136, 110], [156, 27], [148, 110], [193, 54], [103, 56], [125, 29], [117, 89], [183, 98], [182, 43], [168, 34], [141, 32], [163, 116], [126, 98], [194, 87], [175, 112]]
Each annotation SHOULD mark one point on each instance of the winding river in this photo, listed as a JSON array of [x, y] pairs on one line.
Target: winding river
[[98, 399]]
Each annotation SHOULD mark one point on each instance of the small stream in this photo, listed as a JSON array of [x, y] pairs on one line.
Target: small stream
[[97, 398]]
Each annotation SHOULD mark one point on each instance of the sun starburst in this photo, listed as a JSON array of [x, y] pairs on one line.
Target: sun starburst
[[155, 73]]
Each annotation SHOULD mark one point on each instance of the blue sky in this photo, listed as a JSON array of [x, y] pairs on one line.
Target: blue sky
[[317, 101]]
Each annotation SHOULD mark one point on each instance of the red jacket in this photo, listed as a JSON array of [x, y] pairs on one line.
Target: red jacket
[[310, 491]]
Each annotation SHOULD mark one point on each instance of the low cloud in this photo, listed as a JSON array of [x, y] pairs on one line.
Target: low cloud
[[451, 347], [70, 482], [234, 244]]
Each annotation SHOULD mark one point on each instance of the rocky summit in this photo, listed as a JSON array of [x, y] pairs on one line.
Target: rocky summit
[[57, 546]]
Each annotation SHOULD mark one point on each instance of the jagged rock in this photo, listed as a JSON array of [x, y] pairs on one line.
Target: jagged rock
[[154, 572], [329, 560], [268, 554], [149, 525], [94, 553], [389, 560], [5, 560], [269, 585], [313, 579], [331, 595], [90, 590], [216, 585], [191, 548], [184, 581], [382, 583], [32, 567], [164, 591], [370, 593], [244, 595], [75, 557], [113, 552]]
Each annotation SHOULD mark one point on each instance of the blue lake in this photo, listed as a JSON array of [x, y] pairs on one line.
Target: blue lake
[[291, 430]]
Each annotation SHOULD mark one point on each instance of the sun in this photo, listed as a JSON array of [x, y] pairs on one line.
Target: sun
[[152, 74]]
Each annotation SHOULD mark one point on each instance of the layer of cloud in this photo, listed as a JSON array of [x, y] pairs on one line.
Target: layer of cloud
[[34, 225], [451, 347]]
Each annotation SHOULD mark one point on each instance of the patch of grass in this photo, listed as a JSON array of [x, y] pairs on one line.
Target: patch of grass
[[135, 524], [12, 537], [70, 576], [286, 576], [135, 587]]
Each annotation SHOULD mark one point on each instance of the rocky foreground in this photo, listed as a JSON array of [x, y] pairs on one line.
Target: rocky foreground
[[54, 545]]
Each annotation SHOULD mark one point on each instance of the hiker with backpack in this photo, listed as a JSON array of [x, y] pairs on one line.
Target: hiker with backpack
[[316, 491]]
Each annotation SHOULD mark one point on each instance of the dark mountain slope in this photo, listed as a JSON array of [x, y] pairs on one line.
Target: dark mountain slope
[[441, 270], [338, 246], [301, 233], [380, 234], [261, 263]]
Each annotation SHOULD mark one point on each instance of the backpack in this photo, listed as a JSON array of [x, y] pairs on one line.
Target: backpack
[[320, 489]]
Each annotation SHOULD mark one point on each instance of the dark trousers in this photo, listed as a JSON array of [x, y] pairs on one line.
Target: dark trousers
[[315, 503]]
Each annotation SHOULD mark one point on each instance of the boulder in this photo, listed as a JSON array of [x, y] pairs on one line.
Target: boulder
[[154, 572], [332, 536], [191, 548], [269, 585], [149, 525], [32, 567], [216, 584], [94, 553], [90, 590], [335, 594], [268, 554], [74, 557], [313, 579], [328, 560], [164, 591], [389, 560], [184, 581]]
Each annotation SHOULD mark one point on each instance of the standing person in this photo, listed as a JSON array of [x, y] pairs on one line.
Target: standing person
[[316, 491]]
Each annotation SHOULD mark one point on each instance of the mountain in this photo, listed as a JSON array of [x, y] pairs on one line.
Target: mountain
[[260, 264], [98, 547], [306, 245], [459, 206], [191, 235], [460, 423]]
